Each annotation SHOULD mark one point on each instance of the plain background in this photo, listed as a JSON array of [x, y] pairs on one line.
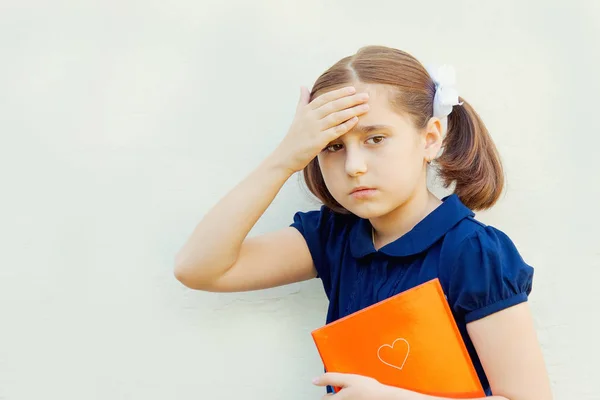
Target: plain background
[[123, 122]]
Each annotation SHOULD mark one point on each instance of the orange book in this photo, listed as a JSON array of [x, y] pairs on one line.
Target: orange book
[[409, 340]]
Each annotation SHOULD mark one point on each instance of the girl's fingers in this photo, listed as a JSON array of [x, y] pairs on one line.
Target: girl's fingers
[[341, 104], [333, 95], [336, 131], [338, 117]]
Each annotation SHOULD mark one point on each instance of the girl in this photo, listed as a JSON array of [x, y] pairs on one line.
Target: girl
[[364, 138]]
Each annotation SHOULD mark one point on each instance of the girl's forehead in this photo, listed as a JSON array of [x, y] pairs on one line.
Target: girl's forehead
[[380, 96], [381, 110]]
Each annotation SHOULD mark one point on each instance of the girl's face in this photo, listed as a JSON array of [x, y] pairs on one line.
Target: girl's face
[[384, 154]]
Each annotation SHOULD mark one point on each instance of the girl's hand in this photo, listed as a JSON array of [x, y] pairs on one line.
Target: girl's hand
[[358, 387], [316, 124]]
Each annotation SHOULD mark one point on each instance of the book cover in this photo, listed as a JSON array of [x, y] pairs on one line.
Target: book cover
[[409, 340]]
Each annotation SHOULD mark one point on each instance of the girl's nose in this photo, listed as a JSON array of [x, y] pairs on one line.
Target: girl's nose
[[356, 163]]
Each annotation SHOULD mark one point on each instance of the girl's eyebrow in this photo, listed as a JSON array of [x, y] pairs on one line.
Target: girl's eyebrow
[[365, 129]]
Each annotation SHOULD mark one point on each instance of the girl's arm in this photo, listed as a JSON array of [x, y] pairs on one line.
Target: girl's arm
[[507, 345], [217, 256]]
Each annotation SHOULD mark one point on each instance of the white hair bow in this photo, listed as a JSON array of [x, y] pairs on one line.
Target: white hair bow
[[446, 95]]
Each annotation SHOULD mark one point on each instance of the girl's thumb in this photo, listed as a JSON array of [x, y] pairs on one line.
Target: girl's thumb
[[304, 97]]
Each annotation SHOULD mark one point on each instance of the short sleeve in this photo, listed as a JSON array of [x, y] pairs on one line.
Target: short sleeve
[[315, 227], [489, 275]]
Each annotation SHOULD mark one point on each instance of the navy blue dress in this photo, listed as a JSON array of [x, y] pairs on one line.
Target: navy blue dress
[[479, 267]]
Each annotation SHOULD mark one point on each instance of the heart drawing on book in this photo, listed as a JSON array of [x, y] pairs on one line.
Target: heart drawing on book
[[394, 355]]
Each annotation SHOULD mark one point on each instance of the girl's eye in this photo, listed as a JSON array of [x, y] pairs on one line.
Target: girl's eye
[[332, 148], [376, 139]]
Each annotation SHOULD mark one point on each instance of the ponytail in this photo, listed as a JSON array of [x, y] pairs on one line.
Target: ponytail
[[470, 159]]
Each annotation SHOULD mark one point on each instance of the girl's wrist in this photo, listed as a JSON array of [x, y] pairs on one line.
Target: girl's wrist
[[276, 163]]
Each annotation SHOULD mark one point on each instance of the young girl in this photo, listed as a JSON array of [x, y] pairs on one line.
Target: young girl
[[364, 138]]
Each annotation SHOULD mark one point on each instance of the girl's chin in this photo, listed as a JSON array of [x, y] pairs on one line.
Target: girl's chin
[[365, 211]]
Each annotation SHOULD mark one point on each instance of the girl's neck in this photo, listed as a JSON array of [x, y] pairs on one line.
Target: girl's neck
[[395, 224]]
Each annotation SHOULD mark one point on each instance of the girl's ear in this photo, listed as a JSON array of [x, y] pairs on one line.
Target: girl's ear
[[433, 138]]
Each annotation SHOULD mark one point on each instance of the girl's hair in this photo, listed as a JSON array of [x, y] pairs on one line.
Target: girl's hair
[[469, 157]]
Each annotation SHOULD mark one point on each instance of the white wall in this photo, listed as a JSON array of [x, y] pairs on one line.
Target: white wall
[[122, 122]]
